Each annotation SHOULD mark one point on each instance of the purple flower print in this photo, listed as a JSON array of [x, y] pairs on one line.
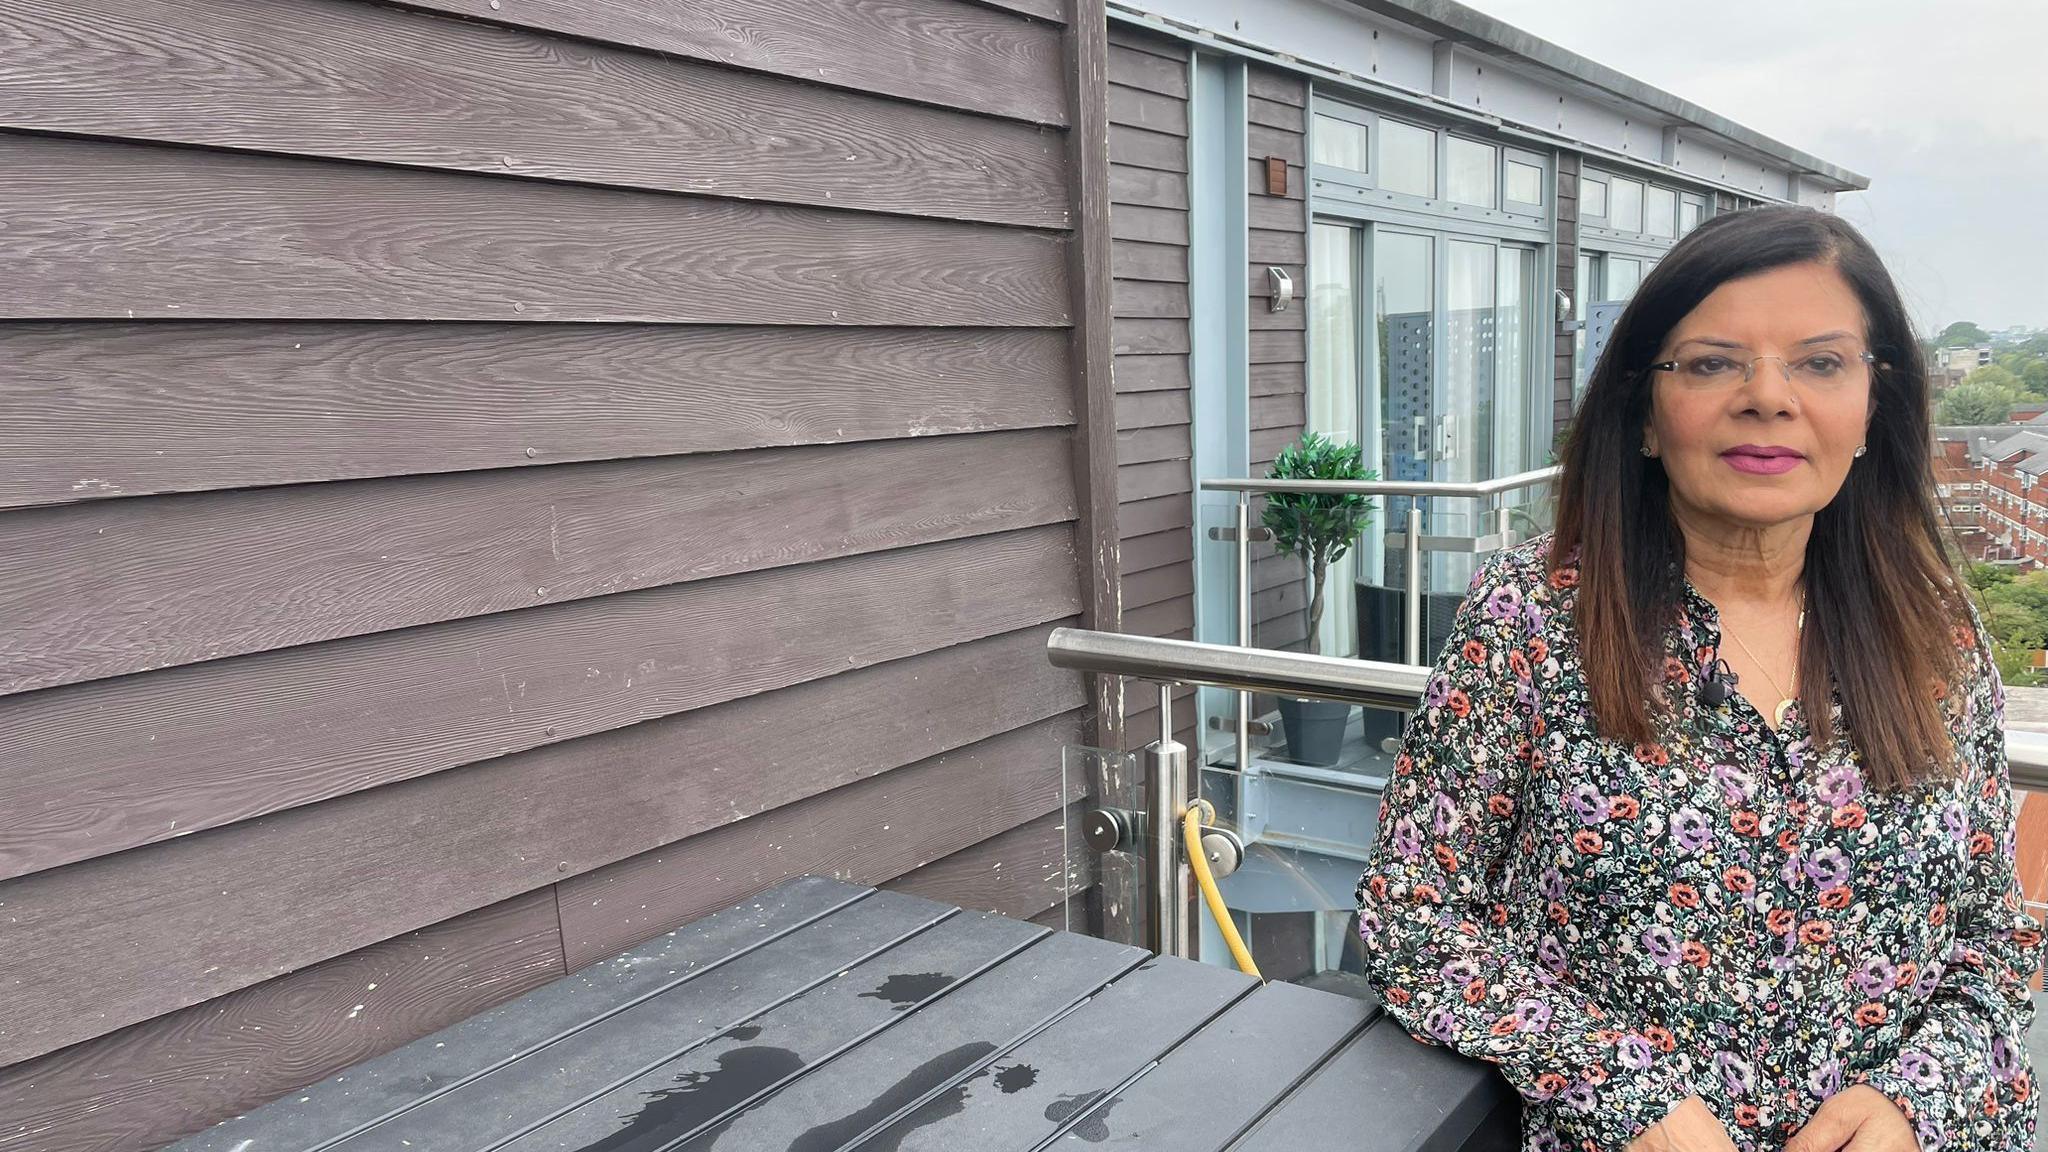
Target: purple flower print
[[1551, 884], [2005, 1062], [1919, 1067], [1443, 814], [1550, 953], [1525, 694], [1590, 804], [1828, 866], [1533, 616], [1690, 827], [1956, 822], [1736, 1075], [1825, 1080], [1437, 692], [1407, 839], [1546, 1142], [1925, 983], [1633, 1052], [1796, 752], [1662, 944], [1504, 603], [1532, 1015], [1459, 971], [1442, 1024], [1736, 785], [1874, 976], [1841, 784], [1578, 1097]]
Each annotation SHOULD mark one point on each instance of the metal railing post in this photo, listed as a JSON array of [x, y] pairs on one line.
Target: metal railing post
[[1244, 624], [1167, 759], [1411, 616]]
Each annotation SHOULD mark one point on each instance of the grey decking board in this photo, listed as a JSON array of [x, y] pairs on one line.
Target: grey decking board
[[529, 1092], [1412, 1097], [1016, 1103], [1224, 1078], [929, 1054], [323, 1112]]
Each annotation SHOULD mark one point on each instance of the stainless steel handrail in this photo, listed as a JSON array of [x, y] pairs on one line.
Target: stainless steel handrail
[[1412, 544], [1473, 489], [1369, 682]]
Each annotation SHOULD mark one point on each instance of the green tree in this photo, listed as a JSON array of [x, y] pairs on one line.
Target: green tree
[[1969, 403], [2034, 377], [1961, 334]]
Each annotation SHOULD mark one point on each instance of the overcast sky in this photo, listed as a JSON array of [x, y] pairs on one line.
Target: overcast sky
[[1943, 105]]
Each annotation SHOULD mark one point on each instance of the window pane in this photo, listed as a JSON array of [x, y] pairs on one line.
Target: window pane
[[1407, 158], [1403, 292], [1593, 199], [1623, 274], [1334, 377], [1689, 210], [1625, 214], [1342, 144], [1660, 206], [1525, 183], [1469, 172], [1513, 320]]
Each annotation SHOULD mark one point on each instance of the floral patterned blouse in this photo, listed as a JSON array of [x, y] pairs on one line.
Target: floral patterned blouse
[[1732, 912]]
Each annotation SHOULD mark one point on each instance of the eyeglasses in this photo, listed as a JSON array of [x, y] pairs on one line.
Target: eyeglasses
[[1824, 369]]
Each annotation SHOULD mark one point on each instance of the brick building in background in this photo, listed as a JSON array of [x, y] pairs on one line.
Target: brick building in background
[[1988, 486]]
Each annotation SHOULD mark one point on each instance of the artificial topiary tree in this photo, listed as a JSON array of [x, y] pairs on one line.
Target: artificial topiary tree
[[1319, 527]]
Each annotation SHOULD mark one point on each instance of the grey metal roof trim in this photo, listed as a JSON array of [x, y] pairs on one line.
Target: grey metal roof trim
[[1453, 21], [2023, 442]]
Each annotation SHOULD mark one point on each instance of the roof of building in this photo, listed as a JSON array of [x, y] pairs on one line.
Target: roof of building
[[2029, 442], [1462, 24]]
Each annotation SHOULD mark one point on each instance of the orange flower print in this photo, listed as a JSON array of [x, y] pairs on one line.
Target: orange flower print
[[1446, 858], [1816, 932], [1459, 703], [1778, 921], [1938, 915], [1504, 1026], [1694, 953], [1745, 823], [1745, 1115], [1500, 805], [1624, 808], [1475, 991], [1981, 843], [1787, 839], [1550, 1083], [1661, 1037], [1653, 754], [1685, 895], [1871, 1015], [1674, 672], [1475, 652], [1836, 897], [1738, 879], [1518, 664], [1588, 841], [1849, 815], [1398, 996], [1908, 972], [1539, 650]]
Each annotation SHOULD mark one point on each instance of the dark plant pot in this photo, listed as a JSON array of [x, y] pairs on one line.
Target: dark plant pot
[[1314, 729]]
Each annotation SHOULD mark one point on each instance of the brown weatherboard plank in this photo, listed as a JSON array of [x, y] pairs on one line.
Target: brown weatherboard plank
[[105, 943], [1139, 299], [1143, 337], [1269, 347], [1273, 86], [1138, 40], [1160, 619], [1272, 246], [1283, 115], [1018, 873], [1271, 212], [1132, 185], [1137, 108], [1158, 514], [1151, 409], [1148, 149], [1137, 260], [111, 230], [866, 832], [1141, 553], [1279, 411], [96, 410], [99, 767], [144, 1086], [1136, 373], [936, 51], [319, 78], [1143, 481], [1261, 140], [1144, 445], [1042, 9], [1153, 73], [118, 586], [1159, 584], [1149, 225]]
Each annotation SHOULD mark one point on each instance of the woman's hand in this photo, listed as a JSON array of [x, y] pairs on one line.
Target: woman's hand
[[1690, 1127], [1858, 1118]]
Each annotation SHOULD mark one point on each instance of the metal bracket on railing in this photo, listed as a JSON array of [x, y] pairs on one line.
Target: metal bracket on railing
[[1125, 830]]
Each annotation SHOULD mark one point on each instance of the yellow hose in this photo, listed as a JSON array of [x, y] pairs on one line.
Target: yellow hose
[[1198, 813]]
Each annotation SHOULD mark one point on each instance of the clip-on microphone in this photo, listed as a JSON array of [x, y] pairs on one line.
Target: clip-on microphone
[[1718, 684]]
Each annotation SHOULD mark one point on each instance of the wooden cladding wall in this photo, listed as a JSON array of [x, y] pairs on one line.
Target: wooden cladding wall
[[1277, 114], [489, 483], [1148, 186]]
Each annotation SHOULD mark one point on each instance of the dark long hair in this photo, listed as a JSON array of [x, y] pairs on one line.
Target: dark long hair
[[1883, 602]]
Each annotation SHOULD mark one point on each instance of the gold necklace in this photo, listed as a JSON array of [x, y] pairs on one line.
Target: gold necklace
[[1785, 698]]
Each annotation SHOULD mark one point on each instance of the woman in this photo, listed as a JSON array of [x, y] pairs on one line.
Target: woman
[[1696, 896]]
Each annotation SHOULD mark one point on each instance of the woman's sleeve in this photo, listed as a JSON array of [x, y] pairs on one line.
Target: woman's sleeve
[[1963, 1075], [1432, 911]]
